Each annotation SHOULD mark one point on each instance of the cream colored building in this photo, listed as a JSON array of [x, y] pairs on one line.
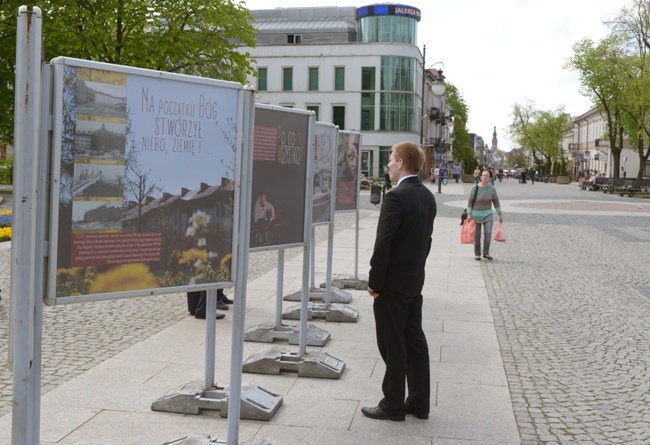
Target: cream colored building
[[587, 148]]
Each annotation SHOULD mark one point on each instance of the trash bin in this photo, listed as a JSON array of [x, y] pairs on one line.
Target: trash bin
[[375, 194]]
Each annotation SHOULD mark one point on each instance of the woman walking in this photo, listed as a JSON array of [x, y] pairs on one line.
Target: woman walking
[[479, 209]]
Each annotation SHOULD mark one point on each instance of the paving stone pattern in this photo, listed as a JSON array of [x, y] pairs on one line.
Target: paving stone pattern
[[573, 325]]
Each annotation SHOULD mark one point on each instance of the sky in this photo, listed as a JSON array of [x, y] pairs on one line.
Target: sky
[[501, 53]]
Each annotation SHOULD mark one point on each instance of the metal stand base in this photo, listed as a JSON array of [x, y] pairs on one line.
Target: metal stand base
[[268, 333], [333, 312], [347, 282], [200, 439], [257, 403], [337, 295], [276, 360]]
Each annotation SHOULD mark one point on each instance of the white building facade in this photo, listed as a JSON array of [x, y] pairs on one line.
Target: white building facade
[[588, 149], [359, 68]]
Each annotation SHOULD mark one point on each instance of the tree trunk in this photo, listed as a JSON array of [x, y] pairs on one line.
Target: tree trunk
[[643, 158]]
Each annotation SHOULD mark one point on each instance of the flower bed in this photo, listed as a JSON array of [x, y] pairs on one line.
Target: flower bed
[[5, 225]]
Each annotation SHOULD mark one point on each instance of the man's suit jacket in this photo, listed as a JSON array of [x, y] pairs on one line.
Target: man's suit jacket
[[403, 239]]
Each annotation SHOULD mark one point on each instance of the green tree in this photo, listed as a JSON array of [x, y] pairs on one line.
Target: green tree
[[517, 158], [540, 132], [630, 56], [191, 37], [602, 82], [462, 144]]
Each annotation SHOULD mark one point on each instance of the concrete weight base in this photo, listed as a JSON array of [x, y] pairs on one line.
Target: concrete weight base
[[269, 333], [332, 312], [277, 360], [257, 403], [336, 295], [347, 282]]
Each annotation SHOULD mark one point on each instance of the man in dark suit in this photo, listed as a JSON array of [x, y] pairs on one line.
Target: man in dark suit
[[395, 281]]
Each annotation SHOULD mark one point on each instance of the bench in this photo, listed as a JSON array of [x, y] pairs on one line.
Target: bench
[[611, 184], [631, 187]]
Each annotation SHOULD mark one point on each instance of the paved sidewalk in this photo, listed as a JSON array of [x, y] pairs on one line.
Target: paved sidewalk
[[470, 399]]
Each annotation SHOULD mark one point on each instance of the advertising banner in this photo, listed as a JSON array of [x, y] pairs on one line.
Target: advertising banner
[[347, 171], [144, 180], [280, 150], [325, 141]]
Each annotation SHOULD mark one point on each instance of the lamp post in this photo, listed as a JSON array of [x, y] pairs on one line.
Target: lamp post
[[438, 88]]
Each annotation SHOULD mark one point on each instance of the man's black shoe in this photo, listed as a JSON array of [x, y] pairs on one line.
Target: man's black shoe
[[222, 306], [225, 300], [202, 316], [379, 414], [421, 416]]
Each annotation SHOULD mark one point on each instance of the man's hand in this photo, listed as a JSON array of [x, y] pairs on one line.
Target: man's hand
[[372, 293]]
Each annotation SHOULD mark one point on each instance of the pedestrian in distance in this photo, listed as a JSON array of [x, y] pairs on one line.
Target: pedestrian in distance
[[477, 174], [455, 171], [395, 282], [483, 196], [443, 175]]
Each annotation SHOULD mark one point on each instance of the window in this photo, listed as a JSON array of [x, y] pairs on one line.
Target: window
[[384, 155], [366, 163], [397, 112], [368, 111], [398, 74], [295, 39], [313, 79], [339, 78], [368, 78], [261, 79], [315, 109], [287, 79], [368, 98], [338, 117]]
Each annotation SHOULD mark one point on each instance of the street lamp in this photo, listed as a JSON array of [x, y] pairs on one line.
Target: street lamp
[[438, 88]]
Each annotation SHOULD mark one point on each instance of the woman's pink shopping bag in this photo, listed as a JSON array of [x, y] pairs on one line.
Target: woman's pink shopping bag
[[500, 235], [468, 232]]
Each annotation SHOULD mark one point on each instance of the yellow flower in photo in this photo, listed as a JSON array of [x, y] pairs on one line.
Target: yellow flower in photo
[[225, 267], [125, 277], [193, 256], [71, 273]]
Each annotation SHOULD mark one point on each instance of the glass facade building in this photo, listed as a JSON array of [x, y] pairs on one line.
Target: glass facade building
[[388, 24], [357, 67], [398, 94]]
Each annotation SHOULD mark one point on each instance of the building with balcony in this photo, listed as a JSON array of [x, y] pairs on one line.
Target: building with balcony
[[359, 68], [587, 148]]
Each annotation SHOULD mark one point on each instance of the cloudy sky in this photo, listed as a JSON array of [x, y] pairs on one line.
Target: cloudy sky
[[502, 52]]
